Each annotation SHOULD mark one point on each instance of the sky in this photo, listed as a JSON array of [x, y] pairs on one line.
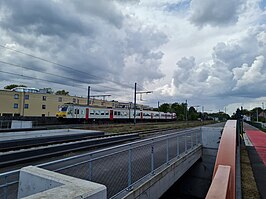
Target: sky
[[211, 53]]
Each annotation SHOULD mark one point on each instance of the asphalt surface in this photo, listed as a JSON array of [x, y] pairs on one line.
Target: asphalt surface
[[258, 167]]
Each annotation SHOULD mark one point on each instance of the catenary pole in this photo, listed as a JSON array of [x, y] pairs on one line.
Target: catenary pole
[[135, 105]]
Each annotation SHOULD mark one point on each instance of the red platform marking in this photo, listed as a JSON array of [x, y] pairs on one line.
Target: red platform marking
[[258, 139]]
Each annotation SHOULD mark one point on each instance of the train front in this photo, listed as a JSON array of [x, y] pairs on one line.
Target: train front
[[62, 112]]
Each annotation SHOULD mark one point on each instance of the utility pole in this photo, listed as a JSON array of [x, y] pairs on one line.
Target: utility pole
[[135, 101], [186, 111], [158, 105], [263, 112], [89, 90], [257, 114]]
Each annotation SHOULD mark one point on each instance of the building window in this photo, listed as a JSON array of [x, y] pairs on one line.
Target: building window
[[43, 98], [77, 101], [74, 100], [16, 96], [26, 106], [60, 99], [43, 106], [27, 97], [16, 106]]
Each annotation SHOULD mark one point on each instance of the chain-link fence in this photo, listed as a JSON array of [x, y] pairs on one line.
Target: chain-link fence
[[118, 168]]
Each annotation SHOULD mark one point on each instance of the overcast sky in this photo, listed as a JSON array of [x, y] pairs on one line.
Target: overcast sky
[[211, 53]]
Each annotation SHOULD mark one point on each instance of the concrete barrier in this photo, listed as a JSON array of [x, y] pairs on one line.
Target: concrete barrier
[[35, 183]]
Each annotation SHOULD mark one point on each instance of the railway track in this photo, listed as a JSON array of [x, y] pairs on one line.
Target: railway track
[[32, 151], [27, 155]]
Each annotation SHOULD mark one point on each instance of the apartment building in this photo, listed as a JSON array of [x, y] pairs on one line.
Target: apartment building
[[32, 102]]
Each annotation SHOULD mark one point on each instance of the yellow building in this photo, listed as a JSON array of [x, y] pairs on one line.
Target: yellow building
[[13, 103]]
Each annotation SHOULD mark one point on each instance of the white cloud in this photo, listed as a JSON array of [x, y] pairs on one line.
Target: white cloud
[[210, 52]]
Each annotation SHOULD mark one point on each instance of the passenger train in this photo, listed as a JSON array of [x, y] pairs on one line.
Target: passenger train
[[73, 111]]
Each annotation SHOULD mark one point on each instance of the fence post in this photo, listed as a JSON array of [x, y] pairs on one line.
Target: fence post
[[196, 135], [129, 176], [177, 146], [167, 150], [185, 143], [191, 137], [152, 159]]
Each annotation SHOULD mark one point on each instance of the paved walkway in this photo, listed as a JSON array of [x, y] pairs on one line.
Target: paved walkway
[[258, 139], [257, 155]]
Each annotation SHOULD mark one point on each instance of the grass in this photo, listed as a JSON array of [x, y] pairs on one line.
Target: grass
[[127, 128], [249, 187]]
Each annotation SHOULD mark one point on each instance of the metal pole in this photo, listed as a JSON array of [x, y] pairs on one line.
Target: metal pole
[[186, 112], [152, 159], [135, 100], [257, 114], [263, 112], [167, 150], [129, 180], [89, 89], [177, 146]]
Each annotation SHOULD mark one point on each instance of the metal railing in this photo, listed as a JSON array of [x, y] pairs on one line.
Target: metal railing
[[120, 167], [226, 156]]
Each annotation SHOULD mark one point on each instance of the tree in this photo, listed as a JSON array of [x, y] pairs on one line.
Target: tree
[[62, 92], [192, 113], [11, 86], [164, 108]]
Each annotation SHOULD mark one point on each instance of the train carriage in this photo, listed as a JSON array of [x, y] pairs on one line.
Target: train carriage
[[82, 112]]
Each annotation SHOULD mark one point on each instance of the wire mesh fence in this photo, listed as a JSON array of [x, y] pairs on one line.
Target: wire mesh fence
[[119, 167]]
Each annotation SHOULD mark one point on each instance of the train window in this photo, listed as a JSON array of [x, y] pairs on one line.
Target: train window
[[64, 108], [102, 112], [106, 112], [97, 112], [82, 111], [115, 113], [118, 113], [91, 112], [138, 114]]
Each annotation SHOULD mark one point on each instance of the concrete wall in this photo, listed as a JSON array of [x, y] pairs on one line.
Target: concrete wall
[[36, 183]]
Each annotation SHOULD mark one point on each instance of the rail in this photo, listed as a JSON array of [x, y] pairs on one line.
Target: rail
[[119, 167], [224, 174]]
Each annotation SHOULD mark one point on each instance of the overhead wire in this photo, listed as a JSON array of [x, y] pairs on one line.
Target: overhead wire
[[69, 78], [64, 66]]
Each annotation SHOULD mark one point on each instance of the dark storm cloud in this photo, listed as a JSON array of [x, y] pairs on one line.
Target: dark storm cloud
[[215, 12], [42, 18], [88, 36]]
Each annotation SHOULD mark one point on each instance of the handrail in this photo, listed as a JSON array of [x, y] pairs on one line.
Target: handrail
[[226, 156], [220, 183]]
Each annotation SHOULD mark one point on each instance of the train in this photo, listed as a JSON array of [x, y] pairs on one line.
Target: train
[[95, 114]]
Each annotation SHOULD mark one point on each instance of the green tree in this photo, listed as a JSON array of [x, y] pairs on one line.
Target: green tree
[[164, 108], [11, 86], [62, 92], [192, 113]]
